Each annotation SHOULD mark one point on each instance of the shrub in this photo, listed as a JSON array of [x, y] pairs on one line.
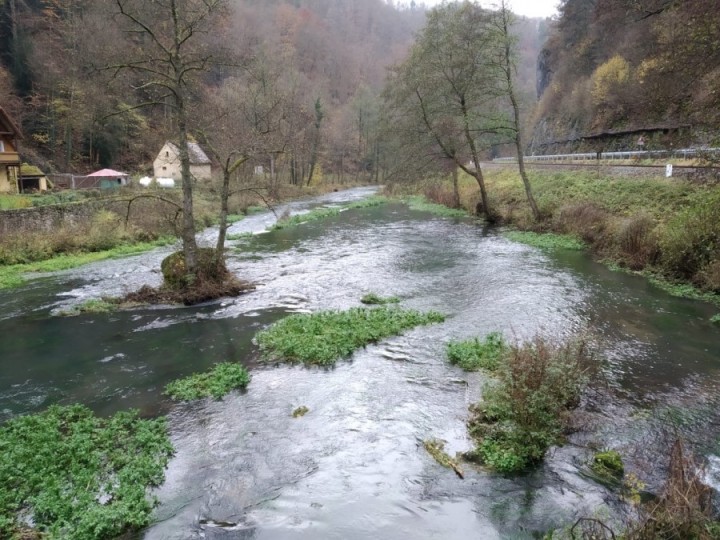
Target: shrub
[[216, 383], [691, 240], [324, 337], [74, 475], [525, 411], [474, 354], [637, 241], [583, 219]]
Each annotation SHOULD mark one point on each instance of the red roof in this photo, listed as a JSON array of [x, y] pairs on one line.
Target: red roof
[[108, 173]]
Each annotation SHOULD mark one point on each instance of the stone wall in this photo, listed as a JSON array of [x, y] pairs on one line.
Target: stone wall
[[49, 218]]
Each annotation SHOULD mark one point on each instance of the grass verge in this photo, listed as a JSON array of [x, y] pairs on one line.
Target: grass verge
[[546, 240], [324, 337], [12, 275], [525, 410], [421, 204], [215, 383], [475, 354], [74, 475]]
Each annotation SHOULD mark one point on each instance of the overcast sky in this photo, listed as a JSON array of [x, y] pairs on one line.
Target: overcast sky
[[529, 8]]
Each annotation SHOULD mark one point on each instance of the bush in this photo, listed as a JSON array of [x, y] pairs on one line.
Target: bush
[[324, 337], [474, 354], [525, 411], [74, 475], [637, 241], [216, 383]]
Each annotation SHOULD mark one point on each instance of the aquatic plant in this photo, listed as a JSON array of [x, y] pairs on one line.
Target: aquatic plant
[[372, 299], [300, 411], [95, 305], [546, 240], [524, 411], [608, 465], [475, 354], [70, 474], [326, 336], [216, 383], [313, 215], [436, 449], [369, 202]]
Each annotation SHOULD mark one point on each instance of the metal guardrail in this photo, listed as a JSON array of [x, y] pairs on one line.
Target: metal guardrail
[[683, 153]]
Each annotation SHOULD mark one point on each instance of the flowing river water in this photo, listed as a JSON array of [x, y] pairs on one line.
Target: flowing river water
[[354, 467]]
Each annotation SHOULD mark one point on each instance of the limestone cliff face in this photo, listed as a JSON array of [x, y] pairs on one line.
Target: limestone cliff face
[[612, 69]]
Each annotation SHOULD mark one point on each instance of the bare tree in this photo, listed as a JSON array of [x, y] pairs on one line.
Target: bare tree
[[169, 50], [503, 23]]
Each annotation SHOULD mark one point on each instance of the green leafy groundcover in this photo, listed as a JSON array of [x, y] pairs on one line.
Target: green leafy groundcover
[[475, 354], [215, 383], [324, 337], [76, 476]]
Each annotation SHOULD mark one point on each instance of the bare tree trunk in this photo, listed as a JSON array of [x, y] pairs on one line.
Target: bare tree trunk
[[476, 162], [222, 229], [509, 68], [456, 188], [188, 223]]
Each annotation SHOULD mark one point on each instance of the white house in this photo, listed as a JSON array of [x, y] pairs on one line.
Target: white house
[[167, 163]]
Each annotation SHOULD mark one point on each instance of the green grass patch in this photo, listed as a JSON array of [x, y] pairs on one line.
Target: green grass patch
[[372, 299], [74, 475], [11, 276], [239, 236], [313, 215], [421, 204], [234, 218], [215, 383], [525, 410], [250, 210], [324, 337], [96, 305], [476, 354], [546, 240], [715, 319]]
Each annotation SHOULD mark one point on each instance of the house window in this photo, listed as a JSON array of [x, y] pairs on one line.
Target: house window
[[2, 146], [164, 168], [167, 154]]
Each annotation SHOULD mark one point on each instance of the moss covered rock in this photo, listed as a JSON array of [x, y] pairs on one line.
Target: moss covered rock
[[175, 274]]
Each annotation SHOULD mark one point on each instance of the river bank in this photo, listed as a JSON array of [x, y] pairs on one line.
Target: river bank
[[355, 465], [665, 229], [110, 229]]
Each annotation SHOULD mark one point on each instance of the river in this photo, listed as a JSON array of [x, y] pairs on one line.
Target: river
[[354, 467]]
